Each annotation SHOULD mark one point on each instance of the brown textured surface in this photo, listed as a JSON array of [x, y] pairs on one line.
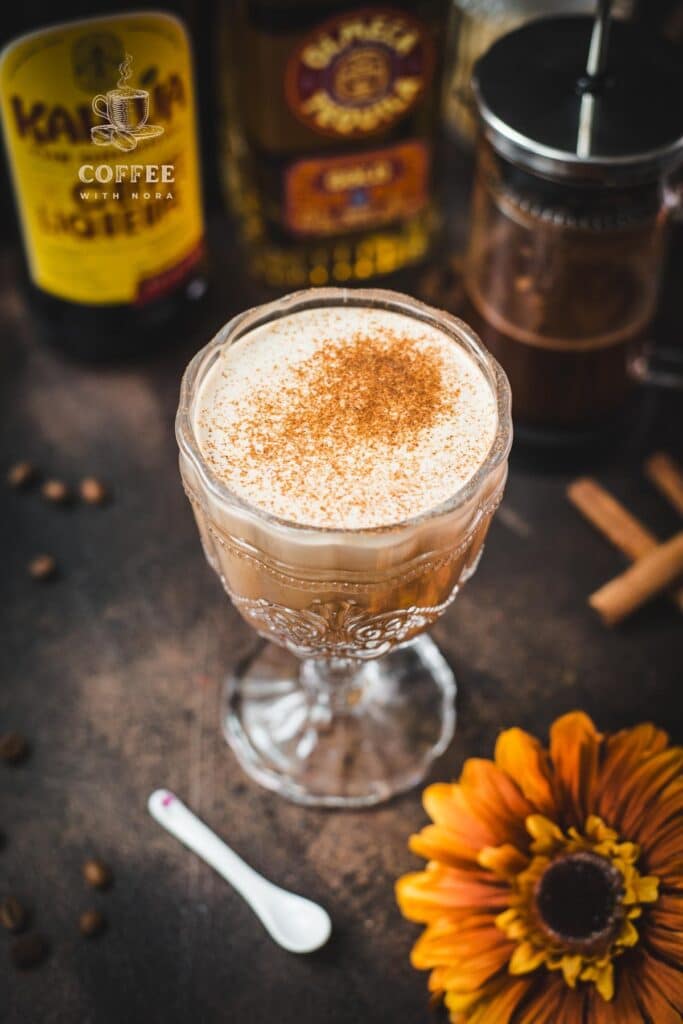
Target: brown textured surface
[[114, 673]]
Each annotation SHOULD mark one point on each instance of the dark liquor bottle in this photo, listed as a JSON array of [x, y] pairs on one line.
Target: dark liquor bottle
[[329, 129], [100, 129]]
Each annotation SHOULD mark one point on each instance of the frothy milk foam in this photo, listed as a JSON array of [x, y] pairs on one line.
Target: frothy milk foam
[[345, 417]]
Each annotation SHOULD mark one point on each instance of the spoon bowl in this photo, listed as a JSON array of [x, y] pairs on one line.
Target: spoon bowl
[[296, 924]]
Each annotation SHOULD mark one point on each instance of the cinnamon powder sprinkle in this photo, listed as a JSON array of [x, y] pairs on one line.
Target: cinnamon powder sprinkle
[[369, 391], [364, 422]]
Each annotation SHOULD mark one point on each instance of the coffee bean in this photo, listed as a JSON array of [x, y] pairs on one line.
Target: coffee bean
[[13, 747], [91, 923], [21, 474], [42, 567], [524, 283], [97, 873], [28, 950], [55, 491], [12, 915], [92, 491]]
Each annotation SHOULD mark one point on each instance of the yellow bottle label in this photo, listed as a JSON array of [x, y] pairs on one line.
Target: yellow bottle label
[[100, 128]]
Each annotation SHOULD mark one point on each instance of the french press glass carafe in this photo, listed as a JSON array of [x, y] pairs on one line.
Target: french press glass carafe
[[573, 194]]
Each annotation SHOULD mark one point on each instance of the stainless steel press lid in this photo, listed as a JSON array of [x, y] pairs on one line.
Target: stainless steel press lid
[[541, 111]]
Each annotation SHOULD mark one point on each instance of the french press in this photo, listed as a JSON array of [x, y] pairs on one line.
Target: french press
[[581, 135]]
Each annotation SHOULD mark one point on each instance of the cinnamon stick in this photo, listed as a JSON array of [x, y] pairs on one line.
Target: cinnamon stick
[[642, 581], [615, 522], [667, 477]]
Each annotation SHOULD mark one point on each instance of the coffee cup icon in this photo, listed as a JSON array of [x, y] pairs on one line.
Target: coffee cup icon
[[126, 111]]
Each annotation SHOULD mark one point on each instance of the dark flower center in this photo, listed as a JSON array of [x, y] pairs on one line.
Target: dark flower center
[[577, 899]]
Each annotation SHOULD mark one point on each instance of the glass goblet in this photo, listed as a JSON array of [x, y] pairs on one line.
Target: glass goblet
[[348, 701]]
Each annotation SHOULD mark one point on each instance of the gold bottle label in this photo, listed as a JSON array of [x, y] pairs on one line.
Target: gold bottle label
[[100, 128], [358, 73], [332, 195]]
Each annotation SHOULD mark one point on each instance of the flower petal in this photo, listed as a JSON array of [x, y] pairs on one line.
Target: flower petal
[[668, 911], [495, 799], [505, 860], [602, 973], [659, 988], [574, 751], [644, 786], [665, 942], [437, 842], [546, 835], [495, 1008], [552, 1002], [541, 1006], [661, 834], [570, 1007], [628, 747], [441, 892], [446, 804], [623, 1009], [473, 973], [663, 919], [526, 958], [626, 755], [667, 977], [435, 981], [445, 942], [513, 923], [525, 760], [571, 969]]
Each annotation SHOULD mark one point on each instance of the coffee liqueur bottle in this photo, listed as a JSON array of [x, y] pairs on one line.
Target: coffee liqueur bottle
[[100, 129], [329, 120]]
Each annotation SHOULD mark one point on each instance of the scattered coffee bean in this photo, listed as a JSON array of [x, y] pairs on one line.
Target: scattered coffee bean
[[42, 567], [91, 923], [97, 873], [28, 950], [13, 747], [12, 915], [21, 474], [92, 491], [524, 283], [55, 491]]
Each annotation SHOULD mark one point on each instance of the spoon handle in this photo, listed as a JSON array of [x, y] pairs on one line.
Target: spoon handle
[[176, 818]]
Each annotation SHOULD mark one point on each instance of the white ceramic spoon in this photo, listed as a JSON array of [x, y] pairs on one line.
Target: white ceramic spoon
[[295, 923]]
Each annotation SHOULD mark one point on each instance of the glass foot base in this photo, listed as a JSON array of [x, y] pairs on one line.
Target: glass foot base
[[376, 738]]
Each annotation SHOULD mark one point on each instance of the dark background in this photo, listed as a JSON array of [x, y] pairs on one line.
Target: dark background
[[114, 672]]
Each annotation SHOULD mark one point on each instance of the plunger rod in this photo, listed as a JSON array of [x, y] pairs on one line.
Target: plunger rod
[[592, 81], [597, 53]]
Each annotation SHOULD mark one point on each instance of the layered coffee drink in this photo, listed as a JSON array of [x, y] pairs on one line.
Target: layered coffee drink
[[344, 453], [344, 419]]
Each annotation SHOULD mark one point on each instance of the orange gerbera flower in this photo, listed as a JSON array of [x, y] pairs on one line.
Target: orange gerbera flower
[[554, 888]]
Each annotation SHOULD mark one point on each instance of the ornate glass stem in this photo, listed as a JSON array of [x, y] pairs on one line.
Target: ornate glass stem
[[333, 686]]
